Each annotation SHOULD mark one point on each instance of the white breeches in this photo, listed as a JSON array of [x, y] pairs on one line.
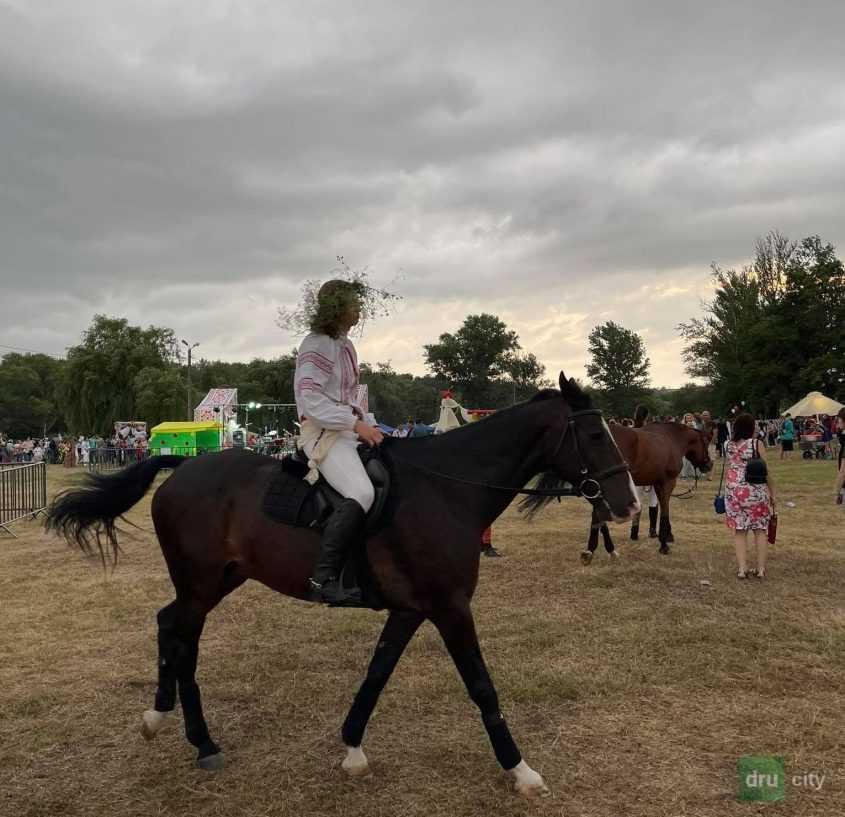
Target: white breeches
[[343, 470], [647, 493]]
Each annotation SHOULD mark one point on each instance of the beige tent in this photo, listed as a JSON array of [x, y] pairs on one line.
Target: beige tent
[[814, 403]]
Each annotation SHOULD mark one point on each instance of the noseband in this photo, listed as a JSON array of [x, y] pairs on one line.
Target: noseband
[[590, 486]]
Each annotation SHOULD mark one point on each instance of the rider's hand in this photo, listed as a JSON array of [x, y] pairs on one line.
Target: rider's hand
[[369, 434]]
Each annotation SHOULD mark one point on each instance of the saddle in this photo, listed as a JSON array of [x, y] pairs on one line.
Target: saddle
[[293, 501]]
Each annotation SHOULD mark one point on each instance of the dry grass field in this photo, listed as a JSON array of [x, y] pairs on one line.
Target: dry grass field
[[631, 686]]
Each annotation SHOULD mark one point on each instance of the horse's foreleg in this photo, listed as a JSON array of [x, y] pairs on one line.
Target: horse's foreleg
[[608, 542], [635, 527], [397, 632], [457, 628], [664, 536], [593, 541]]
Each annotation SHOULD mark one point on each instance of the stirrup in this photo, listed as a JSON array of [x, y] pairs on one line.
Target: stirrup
[[333, 593]]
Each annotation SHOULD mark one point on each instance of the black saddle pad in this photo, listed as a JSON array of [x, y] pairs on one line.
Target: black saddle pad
[[292, 501], [289, 498]]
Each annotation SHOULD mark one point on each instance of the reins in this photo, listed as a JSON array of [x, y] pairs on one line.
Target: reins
[[588, 479], [688, 491]]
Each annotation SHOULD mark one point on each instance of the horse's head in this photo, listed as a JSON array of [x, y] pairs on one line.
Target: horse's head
[[698, 448], [587, 456]]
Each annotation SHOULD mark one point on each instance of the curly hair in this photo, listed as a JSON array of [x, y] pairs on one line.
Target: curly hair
[[333, 299]]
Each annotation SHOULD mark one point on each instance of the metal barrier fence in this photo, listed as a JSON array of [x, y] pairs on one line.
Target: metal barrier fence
[[23, 492]]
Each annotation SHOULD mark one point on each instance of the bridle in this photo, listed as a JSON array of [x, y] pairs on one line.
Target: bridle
[[590, 486]]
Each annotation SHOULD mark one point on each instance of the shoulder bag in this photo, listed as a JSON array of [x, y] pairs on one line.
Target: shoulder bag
[[719, 499]]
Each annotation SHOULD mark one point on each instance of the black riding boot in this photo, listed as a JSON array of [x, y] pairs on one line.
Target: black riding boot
[[344, 527], [652, 522]]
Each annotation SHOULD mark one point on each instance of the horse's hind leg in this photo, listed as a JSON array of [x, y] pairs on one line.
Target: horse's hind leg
[[397, 632], [165, 699], [180, 627]]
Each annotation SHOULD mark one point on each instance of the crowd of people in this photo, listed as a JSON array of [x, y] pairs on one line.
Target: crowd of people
[[71, 451]]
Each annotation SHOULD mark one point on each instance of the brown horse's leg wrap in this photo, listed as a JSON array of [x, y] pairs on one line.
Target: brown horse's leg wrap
[[652, 522]]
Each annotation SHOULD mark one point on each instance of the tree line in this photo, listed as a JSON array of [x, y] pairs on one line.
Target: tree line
[[773, 331], [124, 372]]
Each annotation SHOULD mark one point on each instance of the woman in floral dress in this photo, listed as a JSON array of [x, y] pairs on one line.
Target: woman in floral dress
[[748, 507]]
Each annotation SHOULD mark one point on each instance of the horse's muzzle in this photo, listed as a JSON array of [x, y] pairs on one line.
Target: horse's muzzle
[[632, 510]]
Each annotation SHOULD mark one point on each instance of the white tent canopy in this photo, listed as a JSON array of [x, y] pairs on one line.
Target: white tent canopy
[[814, 403]]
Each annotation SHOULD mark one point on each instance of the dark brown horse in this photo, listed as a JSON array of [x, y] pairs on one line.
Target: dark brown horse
[[655, 454], [214, 536]]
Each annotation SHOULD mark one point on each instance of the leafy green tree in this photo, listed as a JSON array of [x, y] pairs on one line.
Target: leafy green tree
[[775, 329], [618, 366], [29, 394], [479, 357], [100, 372], [160, 394], [396, 398]]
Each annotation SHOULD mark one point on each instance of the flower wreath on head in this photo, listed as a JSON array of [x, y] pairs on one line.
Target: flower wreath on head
[[374, 301]]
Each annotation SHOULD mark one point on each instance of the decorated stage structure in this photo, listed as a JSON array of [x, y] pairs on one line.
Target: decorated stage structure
[[219, 406]]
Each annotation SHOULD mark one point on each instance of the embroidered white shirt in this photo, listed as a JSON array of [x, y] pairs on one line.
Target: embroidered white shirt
[[326, 382]]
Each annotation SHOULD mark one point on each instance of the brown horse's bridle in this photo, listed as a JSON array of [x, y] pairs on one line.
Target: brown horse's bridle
[[590, 486]]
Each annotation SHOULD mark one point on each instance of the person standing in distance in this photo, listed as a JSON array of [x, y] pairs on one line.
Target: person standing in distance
[[787, 437]]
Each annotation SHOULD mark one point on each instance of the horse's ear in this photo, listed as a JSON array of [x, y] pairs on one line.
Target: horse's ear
[[562, 381]]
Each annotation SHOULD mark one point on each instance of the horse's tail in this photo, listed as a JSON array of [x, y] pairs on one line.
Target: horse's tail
[[85, 515]]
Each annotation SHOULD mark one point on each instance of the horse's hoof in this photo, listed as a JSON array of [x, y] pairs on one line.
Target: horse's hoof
[[528, 783], [355, 763], [664, 549], [212, 763], [153, 721], [614, 555], [652, 534], [586, 557]]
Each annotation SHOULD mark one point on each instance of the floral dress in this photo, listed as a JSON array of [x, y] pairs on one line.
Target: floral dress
[[746, 506]]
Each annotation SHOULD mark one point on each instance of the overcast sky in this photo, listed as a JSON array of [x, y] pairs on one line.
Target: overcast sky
[[189, 164]]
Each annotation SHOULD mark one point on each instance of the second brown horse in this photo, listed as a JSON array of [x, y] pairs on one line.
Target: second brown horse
[[655, 455]]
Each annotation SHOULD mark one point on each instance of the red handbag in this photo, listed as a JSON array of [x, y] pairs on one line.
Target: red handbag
[[773, 528]]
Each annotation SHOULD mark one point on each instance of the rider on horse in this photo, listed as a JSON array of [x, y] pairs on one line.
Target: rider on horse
[[326, 389]]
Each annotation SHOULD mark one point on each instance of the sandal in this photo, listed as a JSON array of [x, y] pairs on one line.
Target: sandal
[[760, 573], [743, 574]]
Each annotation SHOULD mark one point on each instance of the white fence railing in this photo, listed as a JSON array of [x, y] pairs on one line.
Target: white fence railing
[[23, 492]]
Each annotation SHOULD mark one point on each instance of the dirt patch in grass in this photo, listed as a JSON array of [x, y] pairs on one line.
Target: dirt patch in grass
[[631, 686]]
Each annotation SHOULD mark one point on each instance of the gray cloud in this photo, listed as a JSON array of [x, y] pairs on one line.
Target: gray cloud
[[560, 164]]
